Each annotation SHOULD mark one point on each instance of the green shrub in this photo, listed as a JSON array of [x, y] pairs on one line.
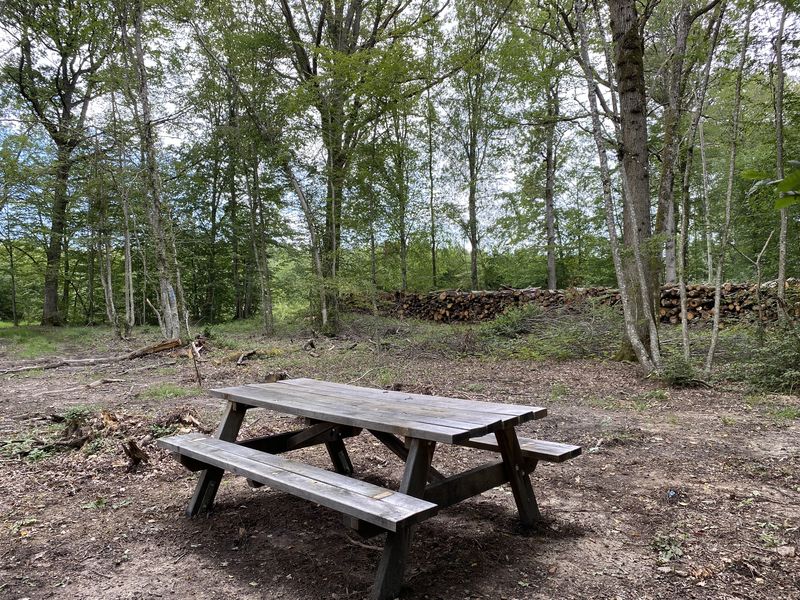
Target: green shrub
[[774, 366], [676, 371], [515, 321]]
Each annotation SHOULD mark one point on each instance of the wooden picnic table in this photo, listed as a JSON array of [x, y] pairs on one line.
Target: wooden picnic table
[[410, 425]]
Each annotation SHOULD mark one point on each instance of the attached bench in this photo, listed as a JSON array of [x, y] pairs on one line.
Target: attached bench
[[531, 449], [383, 508]]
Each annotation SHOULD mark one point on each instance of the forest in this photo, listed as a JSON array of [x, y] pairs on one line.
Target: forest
[[194, 164], [234, 232]]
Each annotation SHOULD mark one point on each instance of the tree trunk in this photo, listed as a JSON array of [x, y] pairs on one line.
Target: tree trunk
[[706, 208], [130, 305], [665, 215], [168, 301], [638, 348], [13, 273], [723, 244], [431, 204], [260, 254], [233, 212], [633, 158], [65, 283], [550, 183], [90, 260], [51, 315], [685, 188], [784, 215]]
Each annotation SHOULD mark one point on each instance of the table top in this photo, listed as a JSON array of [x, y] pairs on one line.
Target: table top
[[435, 418]]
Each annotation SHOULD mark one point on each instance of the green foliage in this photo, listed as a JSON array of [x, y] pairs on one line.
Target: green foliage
[[676, 371], [668, 547], [586, 331], [516, 321], [774, 366]]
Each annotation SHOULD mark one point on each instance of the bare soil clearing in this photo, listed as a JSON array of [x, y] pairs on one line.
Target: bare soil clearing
[[679, 493]]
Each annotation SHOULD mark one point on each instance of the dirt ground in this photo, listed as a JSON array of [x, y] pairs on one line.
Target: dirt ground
[[690, 493]]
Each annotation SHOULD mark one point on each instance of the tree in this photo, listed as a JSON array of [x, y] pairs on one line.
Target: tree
[[633, 151], [60, 48]]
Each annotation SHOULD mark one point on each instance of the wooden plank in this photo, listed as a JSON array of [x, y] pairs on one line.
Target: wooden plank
[[389, 577], [538, 449], [278, 443], [511, 413], [517, 478], [344, 415], [394, 444], [347, 495], [444, 417], [208, 483], [412, 403]]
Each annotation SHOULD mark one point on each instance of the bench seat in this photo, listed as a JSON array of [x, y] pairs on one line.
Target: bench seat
[[384, 508], [535, 449]]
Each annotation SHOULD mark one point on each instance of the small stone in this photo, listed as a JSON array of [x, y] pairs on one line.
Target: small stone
[[664, 569], [786, 551]]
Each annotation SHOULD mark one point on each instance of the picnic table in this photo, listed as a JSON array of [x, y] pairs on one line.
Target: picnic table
[[409, 425]]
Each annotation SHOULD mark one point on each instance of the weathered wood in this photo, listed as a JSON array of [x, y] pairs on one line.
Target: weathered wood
[[517, 478], [371, 503], [463, 486], [389, 577], [394, 444], [374, 402], [339, 457], [536, 449], [208, 483], [465, 406], [279, 443], [346, 414]]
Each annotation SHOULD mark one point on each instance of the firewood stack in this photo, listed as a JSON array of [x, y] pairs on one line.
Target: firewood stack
[[739, 301]]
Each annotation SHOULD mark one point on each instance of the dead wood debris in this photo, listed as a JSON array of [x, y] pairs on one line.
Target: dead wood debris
[[86, 362]]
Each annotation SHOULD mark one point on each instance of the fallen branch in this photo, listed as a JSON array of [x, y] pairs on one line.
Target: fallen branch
[[91, 385], [85, 362], [243, 356]]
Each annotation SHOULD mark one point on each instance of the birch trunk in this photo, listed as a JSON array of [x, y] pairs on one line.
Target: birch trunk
[[553, 106], [638, 347], [784, 223], [687, 172], [737, 104], [706, 208], [167, 298], [260, 254]]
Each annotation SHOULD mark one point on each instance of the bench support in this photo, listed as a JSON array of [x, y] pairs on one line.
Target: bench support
[[207, 485], [389, 578], [520, 482]]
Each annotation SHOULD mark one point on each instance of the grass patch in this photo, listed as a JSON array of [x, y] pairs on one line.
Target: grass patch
[[34, 341], [166, 391], [785, 414]]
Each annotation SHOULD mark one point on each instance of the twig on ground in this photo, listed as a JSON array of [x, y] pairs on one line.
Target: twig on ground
[[368, 371]]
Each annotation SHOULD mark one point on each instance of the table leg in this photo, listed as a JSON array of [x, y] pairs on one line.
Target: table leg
[[389, 578], [339, 456], [520, 482], [207, 485]]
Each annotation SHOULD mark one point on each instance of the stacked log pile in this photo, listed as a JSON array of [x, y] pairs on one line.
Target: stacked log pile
[[739, 301]]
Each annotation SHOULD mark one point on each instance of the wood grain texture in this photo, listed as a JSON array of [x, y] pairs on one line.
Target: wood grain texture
[[344, 494], [433, 418], [536, 449]]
